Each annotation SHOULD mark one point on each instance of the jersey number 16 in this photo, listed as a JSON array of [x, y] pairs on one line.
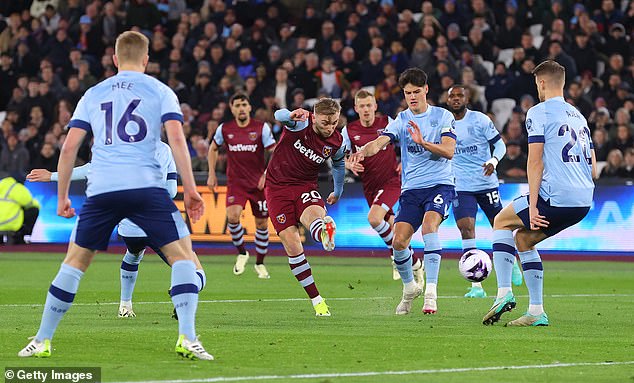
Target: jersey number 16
[[128, 116]]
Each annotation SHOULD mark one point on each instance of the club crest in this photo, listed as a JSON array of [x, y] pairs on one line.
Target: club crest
[[327, 151], [231, 199], [281, 218], [253, 136], [433, 123]]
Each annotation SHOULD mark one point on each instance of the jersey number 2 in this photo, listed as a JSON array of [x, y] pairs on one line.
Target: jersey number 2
[[566, 154], [128, 116]]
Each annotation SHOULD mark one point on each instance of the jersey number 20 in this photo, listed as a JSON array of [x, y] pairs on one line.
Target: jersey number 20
[[128, 116]]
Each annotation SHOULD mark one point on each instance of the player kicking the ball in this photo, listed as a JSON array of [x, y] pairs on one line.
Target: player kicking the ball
[[428, 142], [561, 163], [247, 140], [476, 180], [126, 182], [291, 186], [379, 173]]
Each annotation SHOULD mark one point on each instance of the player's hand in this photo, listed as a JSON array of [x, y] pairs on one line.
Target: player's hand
[[332, 199], [537, 221], [194, 205], [355, 158], [489, 166], [354, 167], [300, 115], [262, 181], [415, 133], [212, 181], [64, 208], [39, 175]]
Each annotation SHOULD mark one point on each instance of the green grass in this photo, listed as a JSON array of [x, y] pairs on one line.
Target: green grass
[[256, 338]]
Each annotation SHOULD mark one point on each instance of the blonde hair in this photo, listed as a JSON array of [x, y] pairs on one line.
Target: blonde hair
[[327, 106], [362, 94], [552, 70], [131, 47]]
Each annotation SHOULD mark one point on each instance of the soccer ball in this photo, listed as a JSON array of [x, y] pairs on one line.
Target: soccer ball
[[475, 265]]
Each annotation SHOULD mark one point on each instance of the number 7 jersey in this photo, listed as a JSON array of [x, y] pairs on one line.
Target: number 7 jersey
[[125, 114], [567, 179]]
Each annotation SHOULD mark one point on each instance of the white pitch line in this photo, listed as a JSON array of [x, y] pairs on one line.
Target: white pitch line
[[303, 299], [384, 373]]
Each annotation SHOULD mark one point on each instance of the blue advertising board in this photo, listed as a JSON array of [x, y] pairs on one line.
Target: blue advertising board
[[607, 227]]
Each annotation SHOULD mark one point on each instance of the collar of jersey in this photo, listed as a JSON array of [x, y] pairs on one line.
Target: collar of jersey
[[558, 98]]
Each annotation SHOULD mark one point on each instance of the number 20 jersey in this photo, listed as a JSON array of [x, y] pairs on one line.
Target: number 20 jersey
[[567, 179], [125, 114]]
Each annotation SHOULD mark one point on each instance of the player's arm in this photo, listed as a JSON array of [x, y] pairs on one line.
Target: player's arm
[[338, 175], [447, 145], [372, 147], [499, 150], [268, 142], [535, 173], [595, 171], [294, 121], [354, 167], [193, 201], [67, 158], [43, 175], [212, 158]]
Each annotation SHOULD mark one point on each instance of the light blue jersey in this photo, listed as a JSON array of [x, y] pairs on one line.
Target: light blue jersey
[[475, 132], [125, 113], [567, 179], [421, 168]]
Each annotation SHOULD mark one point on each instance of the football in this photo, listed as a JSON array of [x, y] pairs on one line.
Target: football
[[475, 265]]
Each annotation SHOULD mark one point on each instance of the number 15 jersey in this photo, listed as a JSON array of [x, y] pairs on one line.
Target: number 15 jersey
[[567, 179], [125, 114]]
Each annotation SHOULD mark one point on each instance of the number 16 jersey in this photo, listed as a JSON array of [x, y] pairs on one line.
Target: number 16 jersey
[[125, 114]]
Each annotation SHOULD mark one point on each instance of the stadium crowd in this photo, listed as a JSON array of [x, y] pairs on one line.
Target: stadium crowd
[[286, 54]]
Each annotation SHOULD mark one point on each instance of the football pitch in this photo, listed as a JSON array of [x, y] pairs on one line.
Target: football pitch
[[265, 330]]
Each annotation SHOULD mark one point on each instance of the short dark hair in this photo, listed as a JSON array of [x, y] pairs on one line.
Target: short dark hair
[[239, 97], [551, 69], [414, 76]]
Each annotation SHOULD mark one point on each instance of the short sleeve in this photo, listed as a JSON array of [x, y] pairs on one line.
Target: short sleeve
[[346, 140], [170, 108], [219, 138], [489, 130], [448, 128], [393, 129], [535, 124], [81, 115], [340, 154], [267, 136]]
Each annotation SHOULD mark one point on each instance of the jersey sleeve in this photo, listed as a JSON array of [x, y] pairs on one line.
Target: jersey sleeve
[[284, 116], [535, 125], [489, 130], [393, 129], [346, 145], [267, 136], [448, 128], [81, 115], [170, 108], [218, 137]]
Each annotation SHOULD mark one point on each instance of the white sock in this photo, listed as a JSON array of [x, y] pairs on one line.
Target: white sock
[[535, 309], [503, 290], [476, 284], [410, 285], [317, 300], [430, 291], [126, 303]]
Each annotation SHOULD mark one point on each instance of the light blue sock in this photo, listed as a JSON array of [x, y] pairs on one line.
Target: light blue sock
[[184, 293], [533, 275], [433, 253], [58, 300], [403, 261], [202, 279], [468, 244], [503, 257], [129, 271]]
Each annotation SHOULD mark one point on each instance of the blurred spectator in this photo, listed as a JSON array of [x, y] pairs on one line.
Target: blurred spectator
[[627, 171], [613, 166], [601, 146], [513, 165], [623, 139], [199, 160], [46, 159], [14, 158]]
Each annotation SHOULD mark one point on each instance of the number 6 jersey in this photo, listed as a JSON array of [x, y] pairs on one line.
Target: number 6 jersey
[[125, 113]]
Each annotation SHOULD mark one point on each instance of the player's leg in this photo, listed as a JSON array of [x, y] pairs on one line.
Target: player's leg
[[491, 205], [403, 232], [261, 246], [237, 236], [91, 232], [312, 213], [260, 212], [433, 256], [465, 209], [135, 249], [301, 268], [506, 221]]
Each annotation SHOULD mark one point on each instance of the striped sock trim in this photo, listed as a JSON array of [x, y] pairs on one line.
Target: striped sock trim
[[315, 229]]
